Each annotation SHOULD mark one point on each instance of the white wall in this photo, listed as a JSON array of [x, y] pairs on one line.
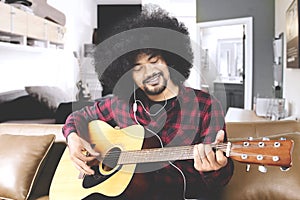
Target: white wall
[[291, 77], [20, 67]]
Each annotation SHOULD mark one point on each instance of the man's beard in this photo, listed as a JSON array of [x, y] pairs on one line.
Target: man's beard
[[157, 90]]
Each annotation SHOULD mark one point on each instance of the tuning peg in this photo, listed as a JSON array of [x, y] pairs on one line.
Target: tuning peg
[[283, 138], [250, 138], [262, 169], [248, 167], [284, 169], [265, 139]]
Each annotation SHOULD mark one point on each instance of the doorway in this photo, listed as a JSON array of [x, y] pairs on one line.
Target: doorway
[[226, 56]]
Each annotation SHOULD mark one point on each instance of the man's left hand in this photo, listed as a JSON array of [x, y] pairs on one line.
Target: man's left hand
[[205, 159]]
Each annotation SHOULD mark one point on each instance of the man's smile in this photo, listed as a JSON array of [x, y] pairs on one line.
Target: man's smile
[[153, 80]]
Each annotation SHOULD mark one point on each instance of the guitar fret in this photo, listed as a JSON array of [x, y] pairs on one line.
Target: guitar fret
[[156, 155]]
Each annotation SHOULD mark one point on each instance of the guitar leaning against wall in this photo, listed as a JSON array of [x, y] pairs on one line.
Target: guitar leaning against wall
[[122, 149]]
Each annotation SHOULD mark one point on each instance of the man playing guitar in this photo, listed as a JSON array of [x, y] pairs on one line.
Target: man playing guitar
[[147, 62]]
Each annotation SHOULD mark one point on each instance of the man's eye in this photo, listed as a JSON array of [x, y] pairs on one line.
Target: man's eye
[[154, 60], [137, 68]]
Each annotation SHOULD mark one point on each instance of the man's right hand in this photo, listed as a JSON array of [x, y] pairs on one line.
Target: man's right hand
[[81, 153]]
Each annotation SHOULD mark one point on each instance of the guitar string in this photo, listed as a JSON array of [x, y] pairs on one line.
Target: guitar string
[[237, 154], [157, 150], [175, 150], [178, 149]]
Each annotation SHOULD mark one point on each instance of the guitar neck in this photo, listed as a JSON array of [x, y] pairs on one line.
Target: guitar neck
[[276, 153], [161, 154]]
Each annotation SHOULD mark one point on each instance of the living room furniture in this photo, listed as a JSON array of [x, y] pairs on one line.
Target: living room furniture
[[21, 27], [38, 105], [252, 185], [29, 159]]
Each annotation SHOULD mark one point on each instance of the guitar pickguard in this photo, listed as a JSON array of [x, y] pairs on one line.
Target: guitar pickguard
[[93, 180]]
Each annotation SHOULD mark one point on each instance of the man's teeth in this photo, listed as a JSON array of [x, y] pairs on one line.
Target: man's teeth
[[153, 79]]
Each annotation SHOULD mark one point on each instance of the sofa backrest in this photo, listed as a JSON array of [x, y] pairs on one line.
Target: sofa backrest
[[33, 129], [261, 128]]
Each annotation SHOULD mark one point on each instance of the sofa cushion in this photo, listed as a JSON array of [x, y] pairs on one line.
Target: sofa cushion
[[20, 159], [274, 184], [11, 95], [24, 108], [50, 96]]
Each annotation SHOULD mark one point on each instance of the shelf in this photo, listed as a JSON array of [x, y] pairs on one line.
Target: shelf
[[24, 31], [25, 48]]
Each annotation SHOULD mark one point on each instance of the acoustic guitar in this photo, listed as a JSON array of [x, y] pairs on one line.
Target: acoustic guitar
[[122, 150]]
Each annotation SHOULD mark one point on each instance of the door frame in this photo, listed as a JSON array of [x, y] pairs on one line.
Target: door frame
[[248, 22]]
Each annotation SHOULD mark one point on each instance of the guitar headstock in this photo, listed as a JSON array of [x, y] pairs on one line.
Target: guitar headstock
[[263, 152]]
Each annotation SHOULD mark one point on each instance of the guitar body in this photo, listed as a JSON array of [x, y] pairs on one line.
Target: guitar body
[[131, 181]]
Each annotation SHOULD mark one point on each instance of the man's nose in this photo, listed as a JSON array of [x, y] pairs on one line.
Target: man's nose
[[149, 68]]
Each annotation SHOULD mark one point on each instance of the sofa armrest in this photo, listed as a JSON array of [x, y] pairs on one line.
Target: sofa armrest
[[22, 158]]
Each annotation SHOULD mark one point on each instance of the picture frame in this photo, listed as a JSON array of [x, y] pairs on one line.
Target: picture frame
[[292, 35]]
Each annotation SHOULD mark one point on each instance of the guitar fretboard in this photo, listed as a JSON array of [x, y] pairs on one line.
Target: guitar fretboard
[[156, 155]]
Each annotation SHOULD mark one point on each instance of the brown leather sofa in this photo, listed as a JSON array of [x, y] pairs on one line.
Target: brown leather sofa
[[251, 185], [29, 155]]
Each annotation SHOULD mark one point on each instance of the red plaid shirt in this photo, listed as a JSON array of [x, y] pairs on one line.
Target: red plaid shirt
[[192, 117]]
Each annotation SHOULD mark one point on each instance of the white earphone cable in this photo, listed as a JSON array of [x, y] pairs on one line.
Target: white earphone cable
[[134, 108], [140, 102]]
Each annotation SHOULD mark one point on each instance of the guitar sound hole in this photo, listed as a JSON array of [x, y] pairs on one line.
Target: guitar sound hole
[[111, 159]]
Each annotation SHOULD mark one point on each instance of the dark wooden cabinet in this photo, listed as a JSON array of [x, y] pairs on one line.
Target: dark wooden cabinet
[[229, 94]]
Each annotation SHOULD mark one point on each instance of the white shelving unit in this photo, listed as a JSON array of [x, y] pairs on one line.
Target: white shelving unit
[[24, 31]]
